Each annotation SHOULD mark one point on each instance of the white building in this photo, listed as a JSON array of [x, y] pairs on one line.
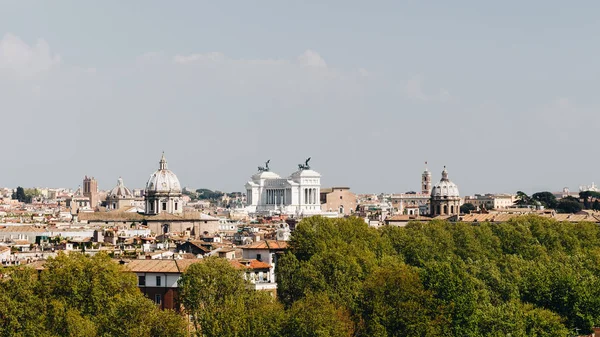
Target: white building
[[297, 195], [491, 201]]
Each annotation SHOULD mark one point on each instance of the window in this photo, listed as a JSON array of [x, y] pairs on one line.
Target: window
[[157, 299], [141, 280], [258, 257], [175, 206], [164, 206], [158, 281]]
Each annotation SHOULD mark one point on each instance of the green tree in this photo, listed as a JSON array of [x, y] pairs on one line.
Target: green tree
[[395, 303], [20, 195], [20, 303], [217, 297], [569, 205], [315, 315], [523, 199], [467, 208], [547, 199], [78, 295]]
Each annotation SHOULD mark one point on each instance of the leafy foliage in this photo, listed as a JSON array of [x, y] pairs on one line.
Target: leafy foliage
[[206, 194], [530, 276], [216, 296], [547, 199], [466, 208], [76, 295]]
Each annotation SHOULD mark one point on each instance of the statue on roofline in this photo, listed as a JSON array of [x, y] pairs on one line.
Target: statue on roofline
[[265, 168], [304, 166]]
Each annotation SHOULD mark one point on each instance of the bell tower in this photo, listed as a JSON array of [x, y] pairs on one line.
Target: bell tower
[[426, 181]]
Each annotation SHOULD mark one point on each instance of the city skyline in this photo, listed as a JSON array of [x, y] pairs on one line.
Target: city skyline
[[499, 93], [108, 185]]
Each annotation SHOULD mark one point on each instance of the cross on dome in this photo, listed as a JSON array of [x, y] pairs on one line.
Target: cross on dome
[[444, 174]]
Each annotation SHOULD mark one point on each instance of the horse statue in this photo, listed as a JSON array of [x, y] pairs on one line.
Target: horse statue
[[265, 168], [304, 166]]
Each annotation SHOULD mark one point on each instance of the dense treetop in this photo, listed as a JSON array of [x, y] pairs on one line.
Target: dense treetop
[[530, 276], [77, 295]]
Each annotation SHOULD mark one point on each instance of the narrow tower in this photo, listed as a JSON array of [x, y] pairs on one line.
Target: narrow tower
[[426, 181], [90, 190]]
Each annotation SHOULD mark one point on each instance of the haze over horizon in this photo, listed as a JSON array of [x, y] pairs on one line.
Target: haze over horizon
[[503, 94]]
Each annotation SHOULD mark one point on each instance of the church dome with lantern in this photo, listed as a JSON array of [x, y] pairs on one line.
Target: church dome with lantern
[[163, 191], [163, 180], [120, 191], [445, 198], [445, 188]]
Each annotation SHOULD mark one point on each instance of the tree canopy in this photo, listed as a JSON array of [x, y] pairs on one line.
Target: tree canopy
[[529, 276], [547, 199], [466, 208], [77, 295]]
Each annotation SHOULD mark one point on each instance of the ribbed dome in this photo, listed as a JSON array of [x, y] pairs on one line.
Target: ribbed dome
[[120, 191], [445, 188], [163, 180]]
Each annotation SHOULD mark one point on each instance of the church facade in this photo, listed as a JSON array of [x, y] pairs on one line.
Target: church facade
[[297, 195]]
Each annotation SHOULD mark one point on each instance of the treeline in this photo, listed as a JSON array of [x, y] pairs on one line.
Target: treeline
[[25, 195], [568, 204], [77, 295], [529, 277]]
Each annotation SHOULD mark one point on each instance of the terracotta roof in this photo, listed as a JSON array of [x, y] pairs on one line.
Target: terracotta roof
[[129, 216], [198, 244], [406, 217], [250, 264], [21, 229], [160, 266], [180, 266], [268, 244]]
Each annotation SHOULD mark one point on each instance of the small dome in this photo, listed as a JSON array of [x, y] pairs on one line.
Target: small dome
[[306, 173], [445, 188], [163, 180], [120, 191], [265, 175]]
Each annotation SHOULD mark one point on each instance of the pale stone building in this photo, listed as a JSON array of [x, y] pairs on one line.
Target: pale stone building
[[491, 201], [297, 195], [414, 203]]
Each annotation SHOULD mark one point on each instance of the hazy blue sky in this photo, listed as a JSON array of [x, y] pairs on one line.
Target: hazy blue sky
[[504, 93]]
